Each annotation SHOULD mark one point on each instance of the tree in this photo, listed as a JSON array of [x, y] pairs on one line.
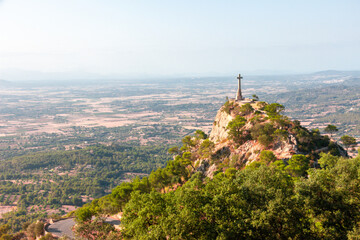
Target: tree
[[4, 232], [274, 109], [298, 165], [235, 129], [39, 229], [263, 133], [255, 97], [186, 159], [327, 160], [95, 229], [84, 214], [200, 134], [174, 150], [331, 129], [348, 141], [267, 156], [206, 148], [246, 109]]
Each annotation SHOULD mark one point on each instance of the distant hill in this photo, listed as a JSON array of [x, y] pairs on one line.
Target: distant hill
[[337, 72]]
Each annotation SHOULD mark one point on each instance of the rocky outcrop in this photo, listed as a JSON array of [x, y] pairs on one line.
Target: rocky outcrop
[[284, 144], [219, 132], [250, 150]]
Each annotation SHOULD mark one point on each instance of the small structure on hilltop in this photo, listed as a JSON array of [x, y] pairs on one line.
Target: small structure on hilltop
[[239, 96]]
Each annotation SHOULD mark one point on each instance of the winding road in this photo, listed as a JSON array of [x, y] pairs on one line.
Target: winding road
[[64, 227]]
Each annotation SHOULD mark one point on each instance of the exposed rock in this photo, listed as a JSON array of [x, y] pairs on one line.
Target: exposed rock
[[238, 155], [219, 131], [210, 172], [203, 166]]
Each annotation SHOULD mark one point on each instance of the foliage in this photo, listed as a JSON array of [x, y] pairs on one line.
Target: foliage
[[235, 129], [5, 232], [206, 148], [96, 229], [228, 106], [331, 129], [273, 110], [309, 141], [348, 141], [298, 165], [200, 134], [327, 160], [246, 109], [263, 133], [57, 178], [267, 156], [260, 202]]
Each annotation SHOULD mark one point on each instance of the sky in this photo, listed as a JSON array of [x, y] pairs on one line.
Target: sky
[[143, 38]]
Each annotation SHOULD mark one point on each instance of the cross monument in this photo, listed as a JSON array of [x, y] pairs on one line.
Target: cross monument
[[239, 95]]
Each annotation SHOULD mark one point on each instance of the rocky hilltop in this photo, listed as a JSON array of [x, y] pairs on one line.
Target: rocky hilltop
[[243, 129], [219, 134]]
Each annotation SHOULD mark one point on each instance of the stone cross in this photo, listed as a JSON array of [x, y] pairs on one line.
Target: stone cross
[[239, 95]]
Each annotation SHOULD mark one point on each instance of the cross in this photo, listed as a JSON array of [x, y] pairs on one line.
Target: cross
[[238, 94], [239, 77]]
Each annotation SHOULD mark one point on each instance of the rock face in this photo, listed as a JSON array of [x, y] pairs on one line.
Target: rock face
[[250, 150], [286, 137], [219, 132]]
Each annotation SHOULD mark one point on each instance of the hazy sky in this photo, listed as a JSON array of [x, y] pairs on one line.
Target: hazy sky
[[183, 37]]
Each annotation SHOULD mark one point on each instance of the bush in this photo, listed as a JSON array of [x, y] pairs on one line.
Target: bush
[[246, 109], [235, 129], [263, 133], [267, 156]]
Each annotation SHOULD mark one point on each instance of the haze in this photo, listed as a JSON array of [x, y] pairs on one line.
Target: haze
[[92, 39]]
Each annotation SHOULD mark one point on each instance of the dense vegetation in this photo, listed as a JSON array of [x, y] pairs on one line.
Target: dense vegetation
[[262, 202], [266, 200], [46, 181]]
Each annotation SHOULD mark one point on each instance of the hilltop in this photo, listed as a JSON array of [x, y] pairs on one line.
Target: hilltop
[[243, 129]]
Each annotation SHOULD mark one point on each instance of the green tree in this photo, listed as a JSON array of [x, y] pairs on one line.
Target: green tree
[[255, 97], [174, 150], [206, 148], [298, 165], [5, 232], [83, 214], [327, 160], [267, 156], [246, 109], [263, 133], [348, 141], [331, 129], [39, 229], [235, 129], [95, 229], [331, 198], [200, 134], [274, 109]]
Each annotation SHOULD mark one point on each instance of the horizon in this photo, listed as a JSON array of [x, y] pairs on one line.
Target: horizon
[[91, 39], [24, 76]]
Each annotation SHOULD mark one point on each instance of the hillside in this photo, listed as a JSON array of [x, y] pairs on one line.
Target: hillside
[[258, 175], [50, 184]]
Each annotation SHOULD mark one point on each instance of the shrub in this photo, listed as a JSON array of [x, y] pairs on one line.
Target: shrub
[[267, 156]]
